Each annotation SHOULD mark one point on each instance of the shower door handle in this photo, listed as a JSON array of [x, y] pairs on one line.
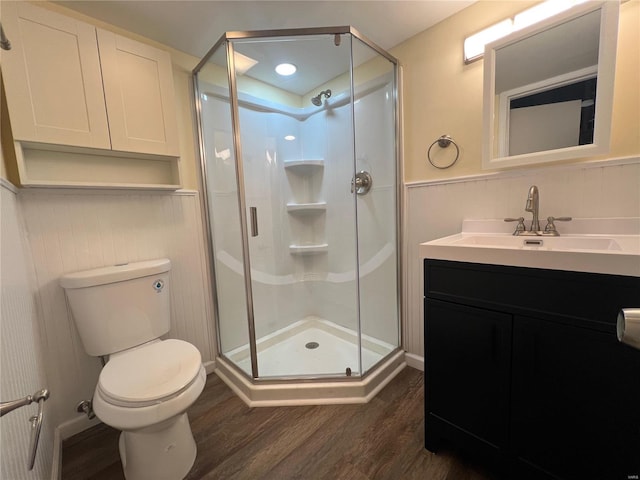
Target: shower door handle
[[253, 214]]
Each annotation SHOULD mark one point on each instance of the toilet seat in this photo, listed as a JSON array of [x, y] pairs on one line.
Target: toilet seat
[[150, 374]]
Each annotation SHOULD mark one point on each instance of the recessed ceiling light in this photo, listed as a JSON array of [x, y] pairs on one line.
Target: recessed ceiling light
[[290, 137], [286, 69]]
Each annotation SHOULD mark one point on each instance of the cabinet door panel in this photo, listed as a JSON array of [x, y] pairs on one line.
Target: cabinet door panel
[[468, 353], [138, 84], [575, 401], [53, 79]]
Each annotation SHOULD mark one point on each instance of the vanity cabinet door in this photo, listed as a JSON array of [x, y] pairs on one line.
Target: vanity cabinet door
[[575, 402], [52, 78], [139, 93], [467, 366]]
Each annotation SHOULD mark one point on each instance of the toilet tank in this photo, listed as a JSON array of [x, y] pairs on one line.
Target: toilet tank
[[119, 307]]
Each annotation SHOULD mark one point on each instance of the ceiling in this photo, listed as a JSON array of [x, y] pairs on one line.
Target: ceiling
[[194, 26]]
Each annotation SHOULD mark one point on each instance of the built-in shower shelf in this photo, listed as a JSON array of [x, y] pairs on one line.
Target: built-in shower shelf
[[310, 249], [304, 164], [306, 208]]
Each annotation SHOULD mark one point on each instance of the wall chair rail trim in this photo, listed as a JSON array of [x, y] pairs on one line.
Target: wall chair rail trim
[[522, 172]]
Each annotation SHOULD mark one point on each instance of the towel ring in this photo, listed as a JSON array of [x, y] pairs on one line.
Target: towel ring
[[443, 142]]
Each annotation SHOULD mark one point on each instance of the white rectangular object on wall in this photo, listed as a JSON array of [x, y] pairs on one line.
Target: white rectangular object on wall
[[544, 127]]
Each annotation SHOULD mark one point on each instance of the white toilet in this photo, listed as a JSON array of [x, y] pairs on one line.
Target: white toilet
[[147, 385]]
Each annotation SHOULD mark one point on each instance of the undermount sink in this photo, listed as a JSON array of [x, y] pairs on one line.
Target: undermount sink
[[609, 246]]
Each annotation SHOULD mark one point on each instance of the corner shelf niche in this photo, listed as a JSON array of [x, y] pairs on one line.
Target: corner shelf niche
[[306, 208], [311, 249], [306, 211], [303, 164]]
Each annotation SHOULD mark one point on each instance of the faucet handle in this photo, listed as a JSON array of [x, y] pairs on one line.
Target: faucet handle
[[520, 227], [551, 227]]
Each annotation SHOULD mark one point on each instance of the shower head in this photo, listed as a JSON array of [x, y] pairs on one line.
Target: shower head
[[317, 100]]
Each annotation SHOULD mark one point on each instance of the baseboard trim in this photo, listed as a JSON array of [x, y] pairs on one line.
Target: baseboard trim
[[209, 366], [56, 461], [415, 361], [74, 426], [61, 433]]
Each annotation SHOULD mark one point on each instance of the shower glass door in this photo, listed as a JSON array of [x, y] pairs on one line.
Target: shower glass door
[[374, 84], [222, 195], [296, 166]]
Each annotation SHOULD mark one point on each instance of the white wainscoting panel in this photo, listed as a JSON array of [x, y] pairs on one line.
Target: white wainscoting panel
[[437, 209], [72, 230], [21, 365]]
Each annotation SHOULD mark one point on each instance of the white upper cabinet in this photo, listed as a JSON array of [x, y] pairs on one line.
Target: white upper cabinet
[[71, 84], [52, 78], [138, 88]]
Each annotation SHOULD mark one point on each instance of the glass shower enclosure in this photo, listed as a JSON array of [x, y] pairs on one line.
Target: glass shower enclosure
[[300, 175]]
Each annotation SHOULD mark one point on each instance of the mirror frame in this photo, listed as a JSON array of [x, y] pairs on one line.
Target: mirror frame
[[604, 90]]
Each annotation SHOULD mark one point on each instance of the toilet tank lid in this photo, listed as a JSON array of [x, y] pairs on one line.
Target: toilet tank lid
[[115, 273]]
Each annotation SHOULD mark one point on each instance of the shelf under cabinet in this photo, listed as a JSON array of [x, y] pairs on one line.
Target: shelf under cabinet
[[44, 165], [306, 208], [310, 249]]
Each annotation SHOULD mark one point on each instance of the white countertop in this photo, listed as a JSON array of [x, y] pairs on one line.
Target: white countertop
[[595, 245]]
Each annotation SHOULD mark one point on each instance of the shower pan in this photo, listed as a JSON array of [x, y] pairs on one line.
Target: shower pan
[[300, 177]]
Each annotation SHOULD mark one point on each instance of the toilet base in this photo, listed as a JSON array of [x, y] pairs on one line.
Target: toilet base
[[165, 451]]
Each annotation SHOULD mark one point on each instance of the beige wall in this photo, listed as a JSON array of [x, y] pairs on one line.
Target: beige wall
[[441, 94], [444, 96]]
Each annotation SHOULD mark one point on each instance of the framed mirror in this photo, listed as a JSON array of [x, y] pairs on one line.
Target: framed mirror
[[548, 88]]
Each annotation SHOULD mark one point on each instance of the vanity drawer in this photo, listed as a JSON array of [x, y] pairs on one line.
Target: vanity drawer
[[589, 299]]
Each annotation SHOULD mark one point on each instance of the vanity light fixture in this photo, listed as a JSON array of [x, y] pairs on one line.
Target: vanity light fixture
[[286, 69], [474, 44]]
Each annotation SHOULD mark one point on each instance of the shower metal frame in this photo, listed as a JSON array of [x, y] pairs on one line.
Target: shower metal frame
[[233, 98]]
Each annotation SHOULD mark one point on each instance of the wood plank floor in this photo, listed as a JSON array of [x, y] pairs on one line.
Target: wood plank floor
[[379, 440]]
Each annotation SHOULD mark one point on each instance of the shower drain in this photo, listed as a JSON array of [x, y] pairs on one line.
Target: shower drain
[[312, 345]]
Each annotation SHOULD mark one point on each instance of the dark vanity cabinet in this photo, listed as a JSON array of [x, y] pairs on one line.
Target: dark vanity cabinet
[[523, 368], [467, 372]]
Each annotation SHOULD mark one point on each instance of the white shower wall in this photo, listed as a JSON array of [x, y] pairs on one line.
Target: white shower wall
[[287, 287]]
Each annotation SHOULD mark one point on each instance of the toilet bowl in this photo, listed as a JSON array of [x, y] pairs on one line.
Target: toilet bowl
[[145, 392], [148, 384]]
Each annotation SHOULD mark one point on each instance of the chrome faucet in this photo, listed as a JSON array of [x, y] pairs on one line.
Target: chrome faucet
[[532, 205]]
